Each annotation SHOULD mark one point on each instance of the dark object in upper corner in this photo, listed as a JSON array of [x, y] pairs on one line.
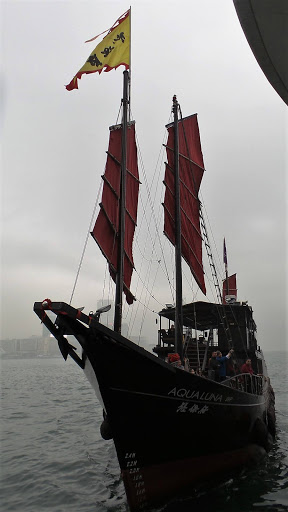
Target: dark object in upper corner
[[265, 25]]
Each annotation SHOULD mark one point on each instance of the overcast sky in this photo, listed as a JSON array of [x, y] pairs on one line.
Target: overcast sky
[[54, 144]]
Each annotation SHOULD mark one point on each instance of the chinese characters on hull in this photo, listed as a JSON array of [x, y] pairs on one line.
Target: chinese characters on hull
[[184, 407]]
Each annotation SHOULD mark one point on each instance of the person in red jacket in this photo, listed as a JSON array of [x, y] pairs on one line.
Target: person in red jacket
[[174, 360], [247, 367]]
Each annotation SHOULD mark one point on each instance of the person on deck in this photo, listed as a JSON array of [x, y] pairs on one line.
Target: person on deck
[[171, 331], [247, 381], [213, 366], [222, 360], [174, 360], [247, 367]]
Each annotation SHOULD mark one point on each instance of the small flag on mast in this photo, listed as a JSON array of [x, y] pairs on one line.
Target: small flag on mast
[[225, 255], [111, 52], [229, 295]]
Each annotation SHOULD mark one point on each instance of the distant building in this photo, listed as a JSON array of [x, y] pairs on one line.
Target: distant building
[[47, 345], [30, 347], [45, 331]]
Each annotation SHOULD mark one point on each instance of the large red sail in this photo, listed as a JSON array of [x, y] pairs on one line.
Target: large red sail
[[106, 228], [191, 168], [229, 290]]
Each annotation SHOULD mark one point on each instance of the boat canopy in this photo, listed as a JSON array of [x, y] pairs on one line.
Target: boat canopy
[[207, 315]]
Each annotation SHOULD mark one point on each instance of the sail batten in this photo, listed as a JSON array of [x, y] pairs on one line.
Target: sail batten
[[110, 186], [119, 163], [184, 185], [191, 168], [112, 226], [188, 219], [186, 158], [106, 229], [190, 248]]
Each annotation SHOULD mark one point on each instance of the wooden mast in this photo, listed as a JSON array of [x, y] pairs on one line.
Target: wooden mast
[[226, 269], [178, 261], [122, 209]]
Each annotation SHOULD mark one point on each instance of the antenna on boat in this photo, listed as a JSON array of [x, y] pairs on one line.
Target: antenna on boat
[[122, 202], [178, 261]]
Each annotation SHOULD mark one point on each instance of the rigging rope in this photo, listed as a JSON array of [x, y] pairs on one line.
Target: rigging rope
[[150, 201], [151, 205], [85, 244], [145, 310], [89, 230]]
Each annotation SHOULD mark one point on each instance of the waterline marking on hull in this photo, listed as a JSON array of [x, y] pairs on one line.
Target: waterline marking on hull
[[136, 479]]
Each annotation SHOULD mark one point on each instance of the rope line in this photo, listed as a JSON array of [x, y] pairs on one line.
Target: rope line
[[85, 245]]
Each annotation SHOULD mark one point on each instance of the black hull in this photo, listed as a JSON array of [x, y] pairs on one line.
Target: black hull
[[171, 429]]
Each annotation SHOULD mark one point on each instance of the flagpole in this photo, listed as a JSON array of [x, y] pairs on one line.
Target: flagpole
[[122, 210], [130, 54], [226, 266], [126, 115]]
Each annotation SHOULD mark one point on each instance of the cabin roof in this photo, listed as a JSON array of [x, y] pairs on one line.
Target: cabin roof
[[206, 315]]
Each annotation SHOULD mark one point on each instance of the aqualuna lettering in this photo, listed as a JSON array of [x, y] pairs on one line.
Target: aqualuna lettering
[[195, 395]]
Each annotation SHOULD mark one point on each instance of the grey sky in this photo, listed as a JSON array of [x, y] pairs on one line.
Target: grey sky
[[54, 144]]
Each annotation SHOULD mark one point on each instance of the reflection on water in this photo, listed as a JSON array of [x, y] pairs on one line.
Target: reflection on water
[[54, 459]]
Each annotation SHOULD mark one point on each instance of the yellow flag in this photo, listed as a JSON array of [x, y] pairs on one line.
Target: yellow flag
[[113, 51]]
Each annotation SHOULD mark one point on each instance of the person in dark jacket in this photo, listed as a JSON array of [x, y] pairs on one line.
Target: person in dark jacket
[[213, 366], [222, 360]]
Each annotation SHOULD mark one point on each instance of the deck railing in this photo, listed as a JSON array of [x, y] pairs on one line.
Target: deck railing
[[246, 382]]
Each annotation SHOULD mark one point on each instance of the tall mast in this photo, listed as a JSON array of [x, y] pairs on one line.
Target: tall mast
[[226, 267], [122, 208], [178, 261]]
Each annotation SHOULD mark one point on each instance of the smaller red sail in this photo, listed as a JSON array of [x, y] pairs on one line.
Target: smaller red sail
[[229, 290], [106, 228], [191, 168]]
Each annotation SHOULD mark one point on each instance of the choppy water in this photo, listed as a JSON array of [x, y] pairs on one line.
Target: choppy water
[[54, 459]]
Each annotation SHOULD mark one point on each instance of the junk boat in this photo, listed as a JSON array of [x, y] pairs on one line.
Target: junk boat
[[175, 428]]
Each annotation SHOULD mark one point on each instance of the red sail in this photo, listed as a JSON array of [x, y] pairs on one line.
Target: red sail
[[106, 228], [191, 168], [229, 291]]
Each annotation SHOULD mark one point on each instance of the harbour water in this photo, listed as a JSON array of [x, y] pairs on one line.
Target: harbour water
[[53, 458]]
